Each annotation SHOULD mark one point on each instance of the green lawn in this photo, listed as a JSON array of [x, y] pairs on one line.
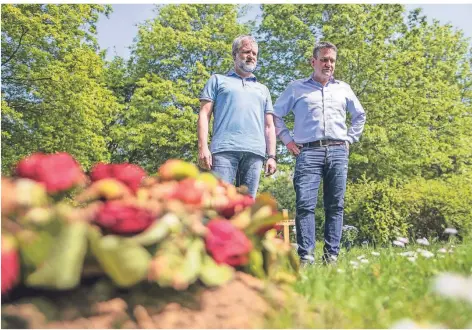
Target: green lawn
[[386, 289]]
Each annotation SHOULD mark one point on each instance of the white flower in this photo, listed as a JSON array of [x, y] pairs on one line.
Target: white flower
[[422, 241], [375, 253], [398, 243], [361, 257], [453, 286], [354, 263], [450, 250], [408, 254], [450, 231], [442, 250], [412, 259], [410, 324], [364, 261], [339, 270], [427, 254], [404, 240]]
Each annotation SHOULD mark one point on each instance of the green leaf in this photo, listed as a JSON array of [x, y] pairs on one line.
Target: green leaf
[[212, 274], [63, 267], [126, 262]]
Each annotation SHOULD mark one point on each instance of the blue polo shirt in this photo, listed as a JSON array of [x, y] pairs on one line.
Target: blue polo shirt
[[239, 108]]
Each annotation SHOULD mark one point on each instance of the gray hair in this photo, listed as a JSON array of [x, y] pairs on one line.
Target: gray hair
[[321, 45], [237, 43]]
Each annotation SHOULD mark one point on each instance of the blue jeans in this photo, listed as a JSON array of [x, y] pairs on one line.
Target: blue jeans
[[314, 164], [244, 167]]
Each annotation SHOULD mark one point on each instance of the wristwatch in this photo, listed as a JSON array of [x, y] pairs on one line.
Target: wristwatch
[[274, 157]]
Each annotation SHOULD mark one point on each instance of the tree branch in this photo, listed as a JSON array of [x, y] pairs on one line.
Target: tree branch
[[17, 47]]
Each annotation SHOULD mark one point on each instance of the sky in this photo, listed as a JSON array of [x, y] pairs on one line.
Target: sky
[[117, 32]]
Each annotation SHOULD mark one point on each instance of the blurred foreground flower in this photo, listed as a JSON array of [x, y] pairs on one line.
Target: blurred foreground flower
[[453, 286], [131, 175], [10, 263], [226, 243], [123, 219], [58, 172]]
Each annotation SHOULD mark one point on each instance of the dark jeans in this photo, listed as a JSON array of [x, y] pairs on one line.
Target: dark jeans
[[244, 167], [312, 165]]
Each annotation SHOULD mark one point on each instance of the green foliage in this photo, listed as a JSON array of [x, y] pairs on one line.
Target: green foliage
[[412, 78], [383, 210], [377, 210], [435, 205], [53, 98]]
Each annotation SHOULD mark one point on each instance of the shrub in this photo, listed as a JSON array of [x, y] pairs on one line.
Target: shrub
[[437, 204], [419, 208], [377, 210]]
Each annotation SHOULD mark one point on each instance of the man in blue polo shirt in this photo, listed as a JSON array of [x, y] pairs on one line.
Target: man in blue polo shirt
[[243, 127], [320, 144]]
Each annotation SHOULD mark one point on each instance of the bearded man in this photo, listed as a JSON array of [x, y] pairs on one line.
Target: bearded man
[[243, 128]]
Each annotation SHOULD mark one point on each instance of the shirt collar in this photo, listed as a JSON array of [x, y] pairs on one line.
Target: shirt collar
[[331, 80], [234, 74]]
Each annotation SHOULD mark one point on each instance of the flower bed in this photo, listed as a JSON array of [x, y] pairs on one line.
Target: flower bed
[[171, 234]]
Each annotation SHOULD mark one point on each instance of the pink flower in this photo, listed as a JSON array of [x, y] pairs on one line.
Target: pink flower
[[123, 219], [226, 243], [58, 172], [129, 174], [10, 263]]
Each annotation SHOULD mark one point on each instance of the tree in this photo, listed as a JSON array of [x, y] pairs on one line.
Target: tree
[[412, 78], [53, 96], [174, 55]]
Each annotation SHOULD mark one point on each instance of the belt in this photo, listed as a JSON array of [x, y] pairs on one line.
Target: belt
[[323, 143]]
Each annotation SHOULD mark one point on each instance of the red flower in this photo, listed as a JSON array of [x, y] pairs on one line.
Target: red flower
[[129, 174], [226, 243], [58, 172], [189, 192], [27, 167], [236, 206], [10, 263], [123, 219]]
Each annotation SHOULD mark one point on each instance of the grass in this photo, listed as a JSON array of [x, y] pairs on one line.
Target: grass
[[380, 293]]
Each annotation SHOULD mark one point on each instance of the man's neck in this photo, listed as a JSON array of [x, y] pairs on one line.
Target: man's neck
[[323, 81], [242, 73]]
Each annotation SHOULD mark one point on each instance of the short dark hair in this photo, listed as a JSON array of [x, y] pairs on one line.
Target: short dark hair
[[321, 45]]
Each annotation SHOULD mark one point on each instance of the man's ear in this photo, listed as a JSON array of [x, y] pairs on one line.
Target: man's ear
[[312, 62]]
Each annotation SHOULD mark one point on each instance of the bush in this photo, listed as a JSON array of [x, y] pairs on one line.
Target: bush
[[437, 204], [419, 208], [377, 210]]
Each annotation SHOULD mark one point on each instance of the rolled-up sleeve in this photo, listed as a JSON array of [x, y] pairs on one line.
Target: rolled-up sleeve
[[209, 91], [358, 117], [282, 107]]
